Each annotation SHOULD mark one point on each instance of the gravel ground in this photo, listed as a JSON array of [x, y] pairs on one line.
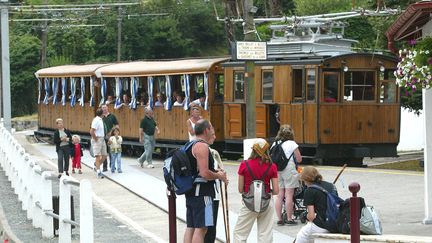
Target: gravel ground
[[107, 229]]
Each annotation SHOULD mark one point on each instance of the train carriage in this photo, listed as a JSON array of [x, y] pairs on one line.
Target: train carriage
[[61, 90], [342, 106]]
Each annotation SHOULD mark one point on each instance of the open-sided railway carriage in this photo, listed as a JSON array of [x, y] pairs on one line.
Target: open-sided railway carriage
[[61, 90], [343, 107]]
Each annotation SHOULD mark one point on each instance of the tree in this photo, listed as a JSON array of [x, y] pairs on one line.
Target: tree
[[24, 62]]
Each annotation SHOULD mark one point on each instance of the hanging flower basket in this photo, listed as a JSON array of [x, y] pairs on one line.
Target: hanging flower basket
[[414, 70]]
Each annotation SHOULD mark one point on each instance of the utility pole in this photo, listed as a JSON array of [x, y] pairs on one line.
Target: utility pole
[[119, 31], [5, 66], [44, 40], [249, 31]]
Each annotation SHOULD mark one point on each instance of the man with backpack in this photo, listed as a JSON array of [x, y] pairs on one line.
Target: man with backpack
[[199, 208], [320, 198]]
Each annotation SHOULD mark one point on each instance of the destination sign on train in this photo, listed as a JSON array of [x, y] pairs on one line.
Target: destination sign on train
[[250, 50]]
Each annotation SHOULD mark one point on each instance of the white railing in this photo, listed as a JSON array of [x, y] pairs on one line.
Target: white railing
[[34, 189]]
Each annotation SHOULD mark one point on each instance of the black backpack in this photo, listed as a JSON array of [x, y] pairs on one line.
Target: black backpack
[[343, 219], [177, 170], [278, 156]]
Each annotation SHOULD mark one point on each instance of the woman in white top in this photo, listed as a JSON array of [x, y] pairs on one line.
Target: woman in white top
[[195, 116], [289, 177]]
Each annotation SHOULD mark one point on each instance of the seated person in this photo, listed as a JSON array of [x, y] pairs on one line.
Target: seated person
[[110, 100], [143, 101], [200, 100], [159, 100], [179, 100], [329, 96], [126, 100]]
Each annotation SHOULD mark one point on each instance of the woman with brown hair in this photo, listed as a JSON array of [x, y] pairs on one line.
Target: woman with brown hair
[[316, 202], [288, 176], [259, 164]]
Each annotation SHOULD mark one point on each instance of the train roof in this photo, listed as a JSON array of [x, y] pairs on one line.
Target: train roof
[[309, 59], [69, 71], [158, 68]]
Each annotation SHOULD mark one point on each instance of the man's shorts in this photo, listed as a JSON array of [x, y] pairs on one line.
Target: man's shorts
[[199, 211], [99, 147]]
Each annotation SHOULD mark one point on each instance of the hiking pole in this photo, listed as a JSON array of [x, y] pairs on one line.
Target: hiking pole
[[224, 211], [227, 213], [340, 172]]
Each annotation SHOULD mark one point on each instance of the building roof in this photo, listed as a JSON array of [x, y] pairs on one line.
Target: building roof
[[409, 23]]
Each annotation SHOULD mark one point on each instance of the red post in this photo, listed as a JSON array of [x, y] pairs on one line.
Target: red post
[[354, 213], [172, 218]]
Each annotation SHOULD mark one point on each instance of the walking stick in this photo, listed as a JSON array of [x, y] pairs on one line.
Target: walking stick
[[224, 195], [340, 172], [227, 214]]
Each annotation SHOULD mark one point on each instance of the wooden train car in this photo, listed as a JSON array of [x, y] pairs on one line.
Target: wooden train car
[[342, 107], [74, 92]]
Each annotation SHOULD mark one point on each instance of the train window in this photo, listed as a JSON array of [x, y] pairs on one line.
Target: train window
[[197, 85], [160, 84], [239, 85], [388, 87], [298, 84], [359, 86], [331, 84], [219, 87], [387, 92], [267, 85], [311, 82]]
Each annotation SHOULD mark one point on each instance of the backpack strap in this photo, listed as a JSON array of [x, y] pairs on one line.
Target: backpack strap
[[252, 175], [319, 188]]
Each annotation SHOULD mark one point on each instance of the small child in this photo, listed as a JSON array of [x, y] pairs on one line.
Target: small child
[[115, 142], [77, 154]]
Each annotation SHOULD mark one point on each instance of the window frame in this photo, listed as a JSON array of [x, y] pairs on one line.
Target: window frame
[[375, 75], [269, 70], [315, 85], [302, 98], [219, 97], [235, 86], [322, 94], [388, 81]]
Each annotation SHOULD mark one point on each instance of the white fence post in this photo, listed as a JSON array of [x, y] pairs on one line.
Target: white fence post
[[36, 196], [86, 212], [64, 210], [46, 204]]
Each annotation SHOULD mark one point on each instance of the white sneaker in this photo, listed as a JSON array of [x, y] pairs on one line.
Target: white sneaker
[[150, 166]]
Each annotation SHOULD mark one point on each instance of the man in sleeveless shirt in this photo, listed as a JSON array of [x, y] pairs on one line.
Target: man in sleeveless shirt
[[199, 208]]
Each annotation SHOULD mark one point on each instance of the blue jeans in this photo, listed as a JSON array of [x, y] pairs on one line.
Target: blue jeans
[[115, 159], [149, 146]]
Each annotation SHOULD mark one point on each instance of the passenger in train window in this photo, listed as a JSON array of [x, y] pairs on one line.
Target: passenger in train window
[[159, 100], [200, 100], [329, 96], [126, 100], [195, 116], [143, 99], [109, 100], [179, 100]]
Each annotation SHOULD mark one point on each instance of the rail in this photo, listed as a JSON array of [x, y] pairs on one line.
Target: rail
[[34, 188]]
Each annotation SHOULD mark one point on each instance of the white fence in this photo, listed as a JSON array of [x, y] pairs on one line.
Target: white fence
[[34, 189]]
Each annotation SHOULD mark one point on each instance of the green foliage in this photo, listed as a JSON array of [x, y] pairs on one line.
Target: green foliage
[[311, 7], [412, 100], [24, 62]]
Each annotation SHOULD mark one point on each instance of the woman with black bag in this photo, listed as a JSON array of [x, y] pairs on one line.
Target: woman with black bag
[[288, 176]]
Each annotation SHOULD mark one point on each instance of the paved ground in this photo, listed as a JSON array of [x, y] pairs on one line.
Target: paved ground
[[398, 197]]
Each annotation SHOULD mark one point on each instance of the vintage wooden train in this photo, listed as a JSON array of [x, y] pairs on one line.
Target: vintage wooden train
[[341, 107]]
